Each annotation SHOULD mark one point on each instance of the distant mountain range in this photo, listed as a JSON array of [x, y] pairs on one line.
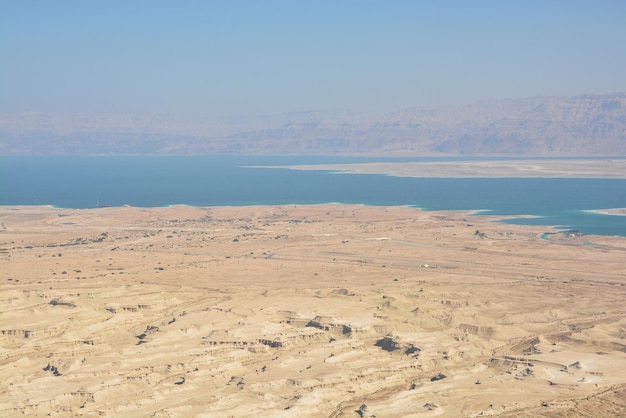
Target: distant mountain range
[[540, 126]]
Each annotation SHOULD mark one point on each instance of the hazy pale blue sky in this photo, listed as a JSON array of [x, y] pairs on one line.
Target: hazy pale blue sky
[[224, 58]]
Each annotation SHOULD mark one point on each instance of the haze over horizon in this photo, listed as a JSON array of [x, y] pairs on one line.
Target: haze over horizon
[[218, 60], [313, 208]]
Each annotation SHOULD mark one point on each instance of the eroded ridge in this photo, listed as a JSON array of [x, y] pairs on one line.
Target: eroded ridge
[[305, 311]]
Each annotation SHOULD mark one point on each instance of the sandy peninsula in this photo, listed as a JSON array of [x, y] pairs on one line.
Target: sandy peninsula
[[615, 212], [544, 168], [306, 311]]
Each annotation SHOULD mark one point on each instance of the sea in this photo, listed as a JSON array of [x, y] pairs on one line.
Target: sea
[[85, 182]]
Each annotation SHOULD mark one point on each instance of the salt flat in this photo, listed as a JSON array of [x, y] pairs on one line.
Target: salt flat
[[541, 168], [328, 310]]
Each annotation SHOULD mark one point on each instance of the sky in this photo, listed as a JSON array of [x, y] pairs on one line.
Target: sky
[[221, 59]]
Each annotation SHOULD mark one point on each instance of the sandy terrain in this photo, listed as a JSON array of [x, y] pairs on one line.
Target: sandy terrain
[[574, 168], [308, 311]]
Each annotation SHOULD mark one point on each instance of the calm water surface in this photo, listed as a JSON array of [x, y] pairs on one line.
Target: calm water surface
[[78, 182]]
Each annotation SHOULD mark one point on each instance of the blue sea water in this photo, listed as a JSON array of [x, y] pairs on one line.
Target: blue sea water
[[79, 182]]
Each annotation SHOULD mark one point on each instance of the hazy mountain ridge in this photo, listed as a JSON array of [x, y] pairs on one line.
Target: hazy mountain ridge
[[579, 125]]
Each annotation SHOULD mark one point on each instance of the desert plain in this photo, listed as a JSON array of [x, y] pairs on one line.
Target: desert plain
[[306, 311]]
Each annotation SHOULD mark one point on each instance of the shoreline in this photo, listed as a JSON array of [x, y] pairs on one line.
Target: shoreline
[[480, 215], [519, 168], [611, 212], [431, 194], [485, 213]]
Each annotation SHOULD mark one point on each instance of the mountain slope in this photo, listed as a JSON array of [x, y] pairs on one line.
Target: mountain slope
[[580, 125]]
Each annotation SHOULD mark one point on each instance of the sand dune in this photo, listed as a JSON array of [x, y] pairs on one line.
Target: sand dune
[[330, 310]]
